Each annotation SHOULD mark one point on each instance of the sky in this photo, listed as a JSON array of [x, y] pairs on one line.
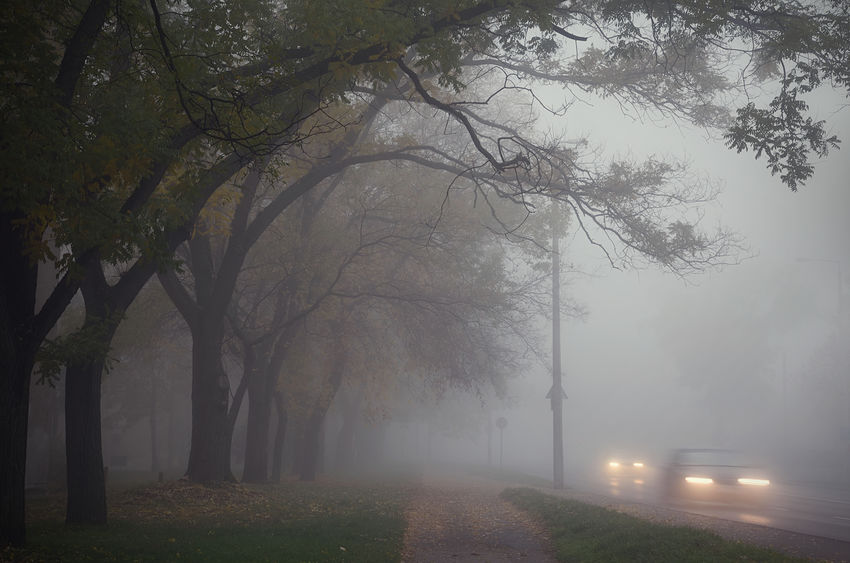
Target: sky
[[722, 358]]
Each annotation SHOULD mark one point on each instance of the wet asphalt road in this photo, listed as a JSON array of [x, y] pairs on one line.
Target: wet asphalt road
[[807, 510], [805, 521]]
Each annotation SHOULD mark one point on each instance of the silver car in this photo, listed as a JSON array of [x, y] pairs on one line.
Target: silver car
[[714, 475]]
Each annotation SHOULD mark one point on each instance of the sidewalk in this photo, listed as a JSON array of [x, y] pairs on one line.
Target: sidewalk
[[465, 520]]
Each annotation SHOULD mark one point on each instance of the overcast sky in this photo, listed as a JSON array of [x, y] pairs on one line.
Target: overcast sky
[[635, 368]]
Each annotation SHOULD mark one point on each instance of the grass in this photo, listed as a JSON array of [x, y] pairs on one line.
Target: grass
[[589, 533], [332, 521], [188, 522]]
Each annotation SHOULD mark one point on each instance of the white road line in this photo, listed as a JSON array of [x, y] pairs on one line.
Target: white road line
[[842, 518]]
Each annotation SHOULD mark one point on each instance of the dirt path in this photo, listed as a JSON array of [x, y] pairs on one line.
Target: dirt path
[[453, 521]]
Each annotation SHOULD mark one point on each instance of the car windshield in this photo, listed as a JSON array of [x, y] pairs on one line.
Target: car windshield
[[712, 457]]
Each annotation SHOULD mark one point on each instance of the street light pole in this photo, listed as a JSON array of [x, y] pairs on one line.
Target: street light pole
[[557, 391]]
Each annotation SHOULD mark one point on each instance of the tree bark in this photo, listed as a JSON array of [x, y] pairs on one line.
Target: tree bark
[[345, 445], [56, 469], [14, 414], [261, 392], [152, 420], [308, 460], [18, 283], [312, 443], [209, 455], [257, 431], [83, 442], [84, 453], [259, 414], [279, 437]]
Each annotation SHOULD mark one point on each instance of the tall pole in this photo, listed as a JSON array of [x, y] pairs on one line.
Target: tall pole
[[557, 390]]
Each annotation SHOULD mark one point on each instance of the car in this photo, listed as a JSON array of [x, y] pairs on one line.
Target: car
[[714, 476], [626, 466]]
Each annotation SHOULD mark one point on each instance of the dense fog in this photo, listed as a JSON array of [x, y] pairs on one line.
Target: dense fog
[[750, 355], [373, 280]]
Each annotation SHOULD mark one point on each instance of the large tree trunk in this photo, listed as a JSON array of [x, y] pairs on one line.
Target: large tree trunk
[[369, 437], [262, 389], [209, 456], [279, 437], [84, 453], [14, 414], [18, 282], [83, 442], [345, 445], [257, 430], [152, 421], [56, 468], [312, 445], [264, 362], [308, 459]]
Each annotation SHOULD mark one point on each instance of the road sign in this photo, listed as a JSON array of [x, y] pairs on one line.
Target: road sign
[[563, 393]]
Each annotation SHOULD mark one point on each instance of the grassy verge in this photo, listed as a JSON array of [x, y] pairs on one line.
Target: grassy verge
[[584, 532], [188, 522]]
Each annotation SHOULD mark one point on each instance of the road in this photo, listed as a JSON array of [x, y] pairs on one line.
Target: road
[[806, 510]]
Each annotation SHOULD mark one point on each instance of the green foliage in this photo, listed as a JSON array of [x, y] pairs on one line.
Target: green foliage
[[249, 76], [584, 532], [784, 135], [803, 44], [88, 344]]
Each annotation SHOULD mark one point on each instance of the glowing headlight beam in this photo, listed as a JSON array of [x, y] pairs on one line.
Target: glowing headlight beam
[[638, 464], [699, 480], [756, 482], [613, 464]]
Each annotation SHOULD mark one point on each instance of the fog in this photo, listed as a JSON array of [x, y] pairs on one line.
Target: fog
[[746, 356], [751, 355]]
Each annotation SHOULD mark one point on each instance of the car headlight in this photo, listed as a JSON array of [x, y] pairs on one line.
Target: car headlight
[[614, 464], [638, 464], [756, 482], [699, 480]]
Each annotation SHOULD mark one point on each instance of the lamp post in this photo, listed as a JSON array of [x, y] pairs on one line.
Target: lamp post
[[556, 393]]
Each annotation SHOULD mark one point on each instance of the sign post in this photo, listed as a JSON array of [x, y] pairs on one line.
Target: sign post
[[501, 422]]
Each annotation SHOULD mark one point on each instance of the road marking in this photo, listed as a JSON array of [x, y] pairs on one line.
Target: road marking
[[842, 518]]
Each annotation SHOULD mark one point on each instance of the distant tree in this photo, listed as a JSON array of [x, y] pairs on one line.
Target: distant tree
[[148, 358]]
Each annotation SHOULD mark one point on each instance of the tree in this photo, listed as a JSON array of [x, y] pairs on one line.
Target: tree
[[96, 115], [144, 380]]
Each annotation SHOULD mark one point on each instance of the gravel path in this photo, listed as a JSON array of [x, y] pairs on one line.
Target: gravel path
[[451, 520], [800, 545]]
